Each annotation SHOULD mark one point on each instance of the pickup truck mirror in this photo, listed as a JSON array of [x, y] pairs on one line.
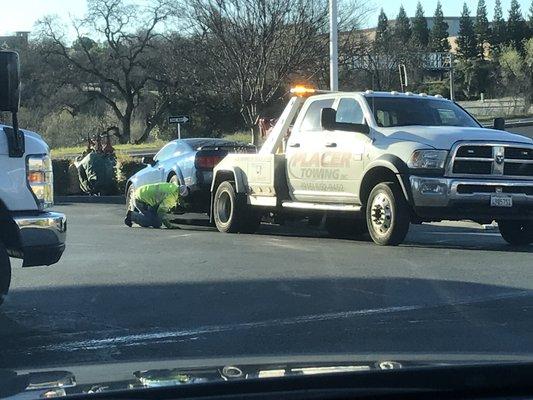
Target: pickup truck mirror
[[9, 81], [148, 160], [499, 123], [328, 121]]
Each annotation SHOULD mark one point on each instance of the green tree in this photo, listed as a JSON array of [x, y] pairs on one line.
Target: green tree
[[516, 26], [482, 28], [466, 40], [383, 34], [438, 38], [530, 20], [420, 31], [499, 34], [517, 71], [402, 28]]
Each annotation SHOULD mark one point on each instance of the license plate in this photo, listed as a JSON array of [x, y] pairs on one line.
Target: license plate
[[501, 201]]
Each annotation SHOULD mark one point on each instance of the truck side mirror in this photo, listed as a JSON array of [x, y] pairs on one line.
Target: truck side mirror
[[499, 123], [328, 119], [9, 81]]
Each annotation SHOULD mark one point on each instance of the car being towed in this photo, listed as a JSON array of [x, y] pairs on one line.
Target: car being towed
[[186, 162]]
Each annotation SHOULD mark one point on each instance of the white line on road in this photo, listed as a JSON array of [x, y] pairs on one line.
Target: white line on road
[[156, 337]]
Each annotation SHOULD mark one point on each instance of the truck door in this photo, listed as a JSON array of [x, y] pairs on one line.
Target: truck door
[[326, 166], [345, 151], [305, 148]]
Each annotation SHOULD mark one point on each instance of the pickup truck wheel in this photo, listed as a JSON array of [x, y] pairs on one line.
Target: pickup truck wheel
[[226, 208], [5, 273], [517, 233], [345, 227], [387, 214]]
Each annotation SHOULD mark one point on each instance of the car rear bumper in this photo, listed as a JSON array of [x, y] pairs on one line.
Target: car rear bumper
[[42, 237]]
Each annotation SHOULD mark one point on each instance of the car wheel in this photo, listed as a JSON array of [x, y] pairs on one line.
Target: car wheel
[[5, 273], [129, 198], [345, 227], [387, 214], [517, 233]]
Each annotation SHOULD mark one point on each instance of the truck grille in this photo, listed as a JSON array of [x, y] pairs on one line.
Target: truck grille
[[492, 160], [471, 189]]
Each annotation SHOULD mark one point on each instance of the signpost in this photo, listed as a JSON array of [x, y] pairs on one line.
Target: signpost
[[179, 119]]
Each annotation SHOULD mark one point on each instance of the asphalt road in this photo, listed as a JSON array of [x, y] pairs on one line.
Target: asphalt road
[[141, 294]]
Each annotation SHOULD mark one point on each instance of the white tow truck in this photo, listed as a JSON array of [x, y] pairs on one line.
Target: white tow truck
[[27, 229], [376, 162]]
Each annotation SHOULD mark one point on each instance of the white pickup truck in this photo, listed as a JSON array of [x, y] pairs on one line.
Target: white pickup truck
[[27, 230], [376, 162]]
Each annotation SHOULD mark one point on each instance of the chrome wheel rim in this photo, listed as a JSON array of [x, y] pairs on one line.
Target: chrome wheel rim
[[381, 214], [224, 207]]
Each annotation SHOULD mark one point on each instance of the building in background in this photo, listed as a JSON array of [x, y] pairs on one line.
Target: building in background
[[17, 41]]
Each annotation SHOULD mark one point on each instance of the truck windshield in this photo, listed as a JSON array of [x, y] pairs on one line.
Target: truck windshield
[[401, 111]]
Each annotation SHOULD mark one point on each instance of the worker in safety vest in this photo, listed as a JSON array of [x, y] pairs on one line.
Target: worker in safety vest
[[152, 205]]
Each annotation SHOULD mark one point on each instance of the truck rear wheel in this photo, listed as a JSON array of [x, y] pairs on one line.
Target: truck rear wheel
[[517, 233], [345, 227], [387, 214], [231, 213], [5, 273]]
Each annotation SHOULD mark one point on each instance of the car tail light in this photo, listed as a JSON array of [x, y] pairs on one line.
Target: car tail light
[[207, 161], [40, 179]]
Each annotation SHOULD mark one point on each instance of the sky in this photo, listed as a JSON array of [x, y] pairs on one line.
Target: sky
[[20, 15]]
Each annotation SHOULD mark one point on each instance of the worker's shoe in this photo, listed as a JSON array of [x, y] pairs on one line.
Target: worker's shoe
[[127, 220]]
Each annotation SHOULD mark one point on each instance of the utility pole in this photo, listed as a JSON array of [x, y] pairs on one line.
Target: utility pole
[[451, 78], [333, 47]]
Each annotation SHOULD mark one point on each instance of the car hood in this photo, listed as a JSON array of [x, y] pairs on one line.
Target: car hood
[[443, 137], [83, 379]]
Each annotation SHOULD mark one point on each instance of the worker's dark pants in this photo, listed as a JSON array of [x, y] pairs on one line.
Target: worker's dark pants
[[145, 215]]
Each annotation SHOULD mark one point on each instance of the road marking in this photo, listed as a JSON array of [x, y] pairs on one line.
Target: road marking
[[157, 337]]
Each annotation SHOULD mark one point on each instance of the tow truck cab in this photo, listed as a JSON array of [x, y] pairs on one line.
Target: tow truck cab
[[28, 230], [376, 162]]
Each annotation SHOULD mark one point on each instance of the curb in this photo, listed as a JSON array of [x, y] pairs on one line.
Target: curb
[[91, 199]]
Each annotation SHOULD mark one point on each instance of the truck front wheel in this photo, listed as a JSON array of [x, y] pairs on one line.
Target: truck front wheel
[[231, 212], [387, 214], [5, 273], [517, 233]]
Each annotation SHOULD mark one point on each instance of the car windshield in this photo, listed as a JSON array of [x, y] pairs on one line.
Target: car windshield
[[198, 191], [401, 111]]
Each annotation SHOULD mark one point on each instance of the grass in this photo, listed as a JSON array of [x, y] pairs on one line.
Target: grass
[[245, 137], [62, 152], [67, 152]]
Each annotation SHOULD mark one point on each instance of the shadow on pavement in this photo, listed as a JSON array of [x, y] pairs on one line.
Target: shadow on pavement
[[252, 317]]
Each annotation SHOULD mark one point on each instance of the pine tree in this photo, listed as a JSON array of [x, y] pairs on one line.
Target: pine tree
[[402, 28], [438, 38], [482, 28], [466, 40], [516, 26], [420, 31], [499, 34], [383, 34]]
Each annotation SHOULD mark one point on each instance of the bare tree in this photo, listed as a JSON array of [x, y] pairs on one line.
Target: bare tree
[[256, 46], [113, 68]]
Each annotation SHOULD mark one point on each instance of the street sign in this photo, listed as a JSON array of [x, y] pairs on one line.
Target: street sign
[[180, 119]]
